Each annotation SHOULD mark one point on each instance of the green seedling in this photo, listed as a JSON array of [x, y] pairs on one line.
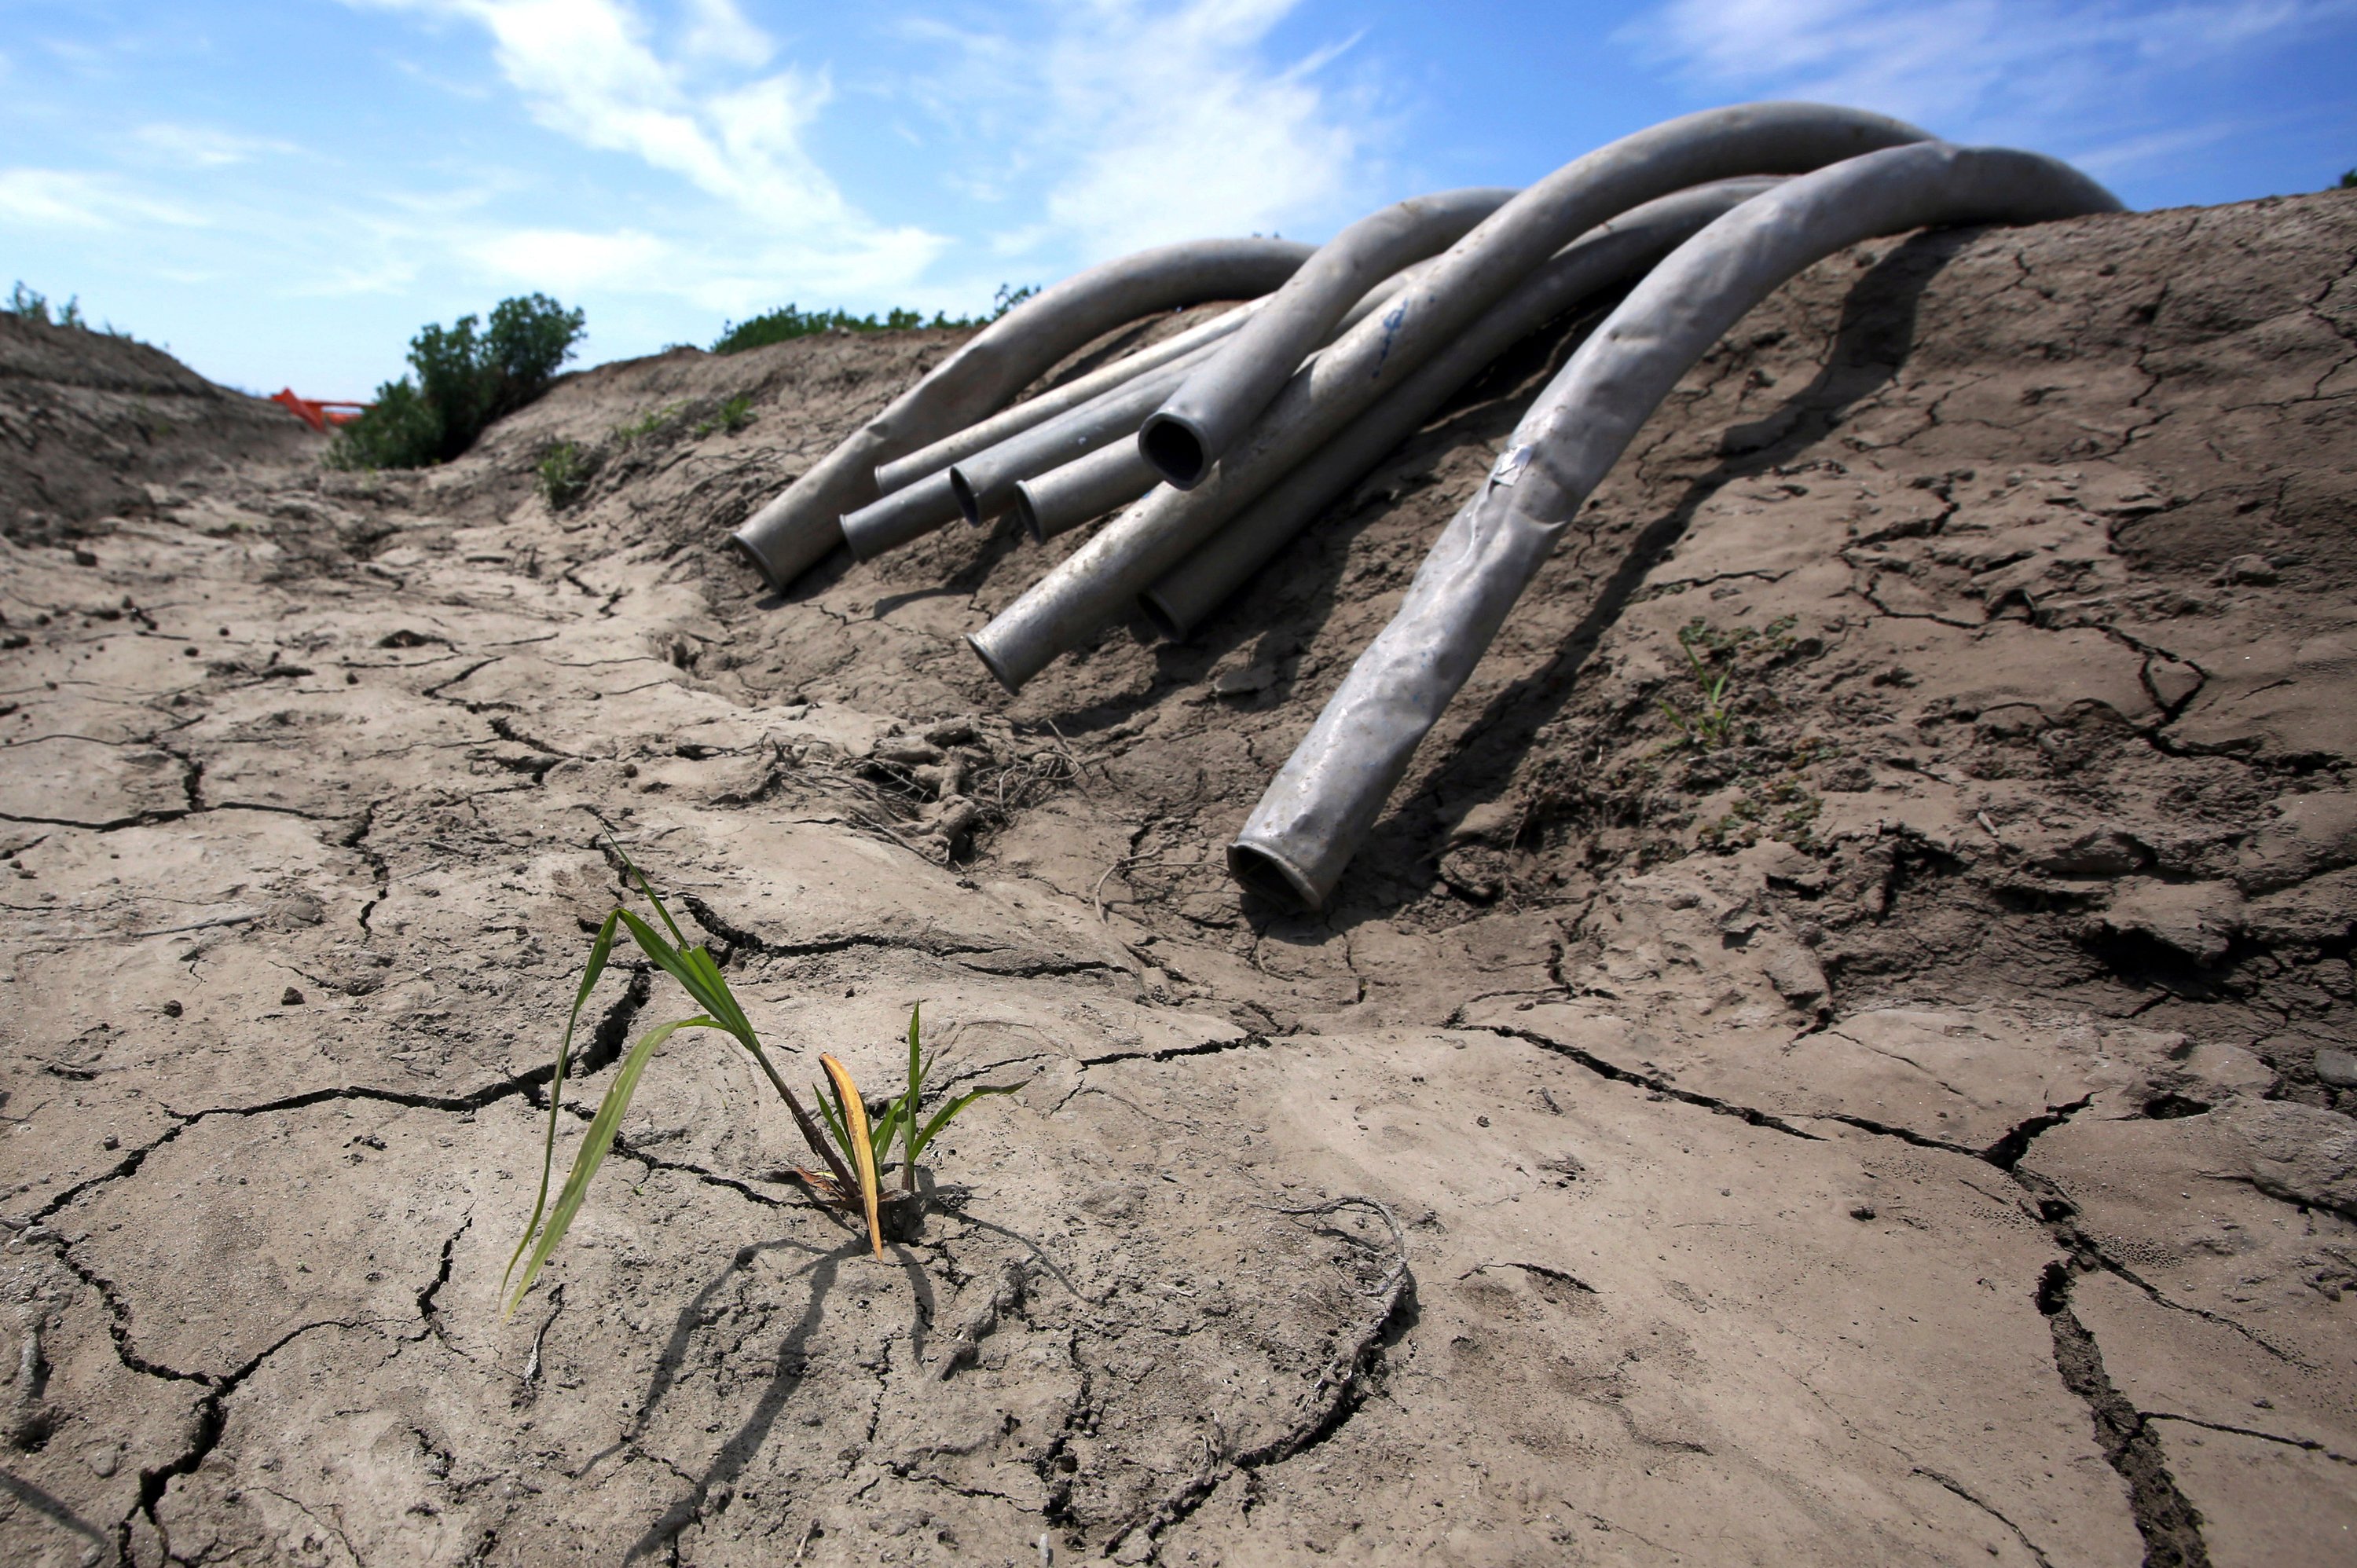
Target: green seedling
[[732, 416], [851, 1181], [903, 1116], [1712, 658]]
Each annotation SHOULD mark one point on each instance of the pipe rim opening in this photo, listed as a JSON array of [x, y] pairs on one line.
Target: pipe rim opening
[[1151, 605], [1175, 448], [1028, 513], [969, 503], [990, 662], [753, 557], [1257, 870]]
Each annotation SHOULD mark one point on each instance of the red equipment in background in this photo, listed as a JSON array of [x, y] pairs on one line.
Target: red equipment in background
[[317, 414]]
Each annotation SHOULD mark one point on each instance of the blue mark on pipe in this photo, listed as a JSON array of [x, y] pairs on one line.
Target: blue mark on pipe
[[1391, 320]]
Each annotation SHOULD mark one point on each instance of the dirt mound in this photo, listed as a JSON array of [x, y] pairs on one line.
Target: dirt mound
[[1899, 1117], [89, 422]]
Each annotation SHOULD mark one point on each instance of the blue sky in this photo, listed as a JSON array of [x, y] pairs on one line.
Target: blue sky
[[282, 193]]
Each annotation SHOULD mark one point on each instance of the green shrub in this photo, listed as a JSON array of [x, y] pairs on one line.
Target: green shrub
[[790, 322], [465, 379], [2348, 180], [562, 474]]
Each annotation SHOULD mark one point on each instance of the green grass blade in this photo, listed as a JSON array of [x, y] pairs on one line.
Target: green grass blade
[[826, 1097], [906, 1110], [880, 1135], [648, 888], [599, 953], [941, 1118], [597, 1141]]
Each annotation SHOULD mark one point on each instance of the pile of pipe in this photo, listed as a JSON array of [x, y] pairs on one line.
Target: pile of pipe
[[1218, 445]]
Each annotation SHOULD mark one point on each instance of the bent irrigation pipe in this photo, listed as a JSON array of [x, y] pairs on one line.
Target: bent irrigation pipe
[[1222, 398], [1098, 582], [1603, 257], [937, 457], [793, 532], [985, 483], [941, 454], [1321, 804]]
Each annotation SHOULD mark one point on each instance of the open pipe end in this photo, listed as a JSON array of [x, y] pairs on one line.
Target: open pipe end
[[1158, 614], [1175, 449], [990, 662], [968, 503], [1257, 870], [1028, 513], [753, 557]]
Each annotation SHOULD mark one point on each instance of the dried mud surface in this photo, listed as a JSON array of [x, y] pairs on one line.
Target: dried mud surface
[[1911, 1131]]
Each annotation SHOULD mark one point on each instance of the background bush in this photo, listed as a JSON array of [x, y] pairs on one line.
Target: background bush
[[465, 379], [788, 322]]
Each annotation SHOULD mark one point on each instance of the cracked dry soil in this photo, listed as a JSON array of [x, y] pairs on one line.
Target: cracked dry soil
[[1896, 1135]]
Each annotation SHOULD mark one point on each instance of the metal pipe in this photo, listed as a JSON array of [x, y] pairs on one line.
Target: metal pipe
[[1203, 418], [1604, 256], [907, 515], [795, 530], [937, 457], [916, 509], [1099, 580], [1062, 499], [985, 483], [1321, 804]]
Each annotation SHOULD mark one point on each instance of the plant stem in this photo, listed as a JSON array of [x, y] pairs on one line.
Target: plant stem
[[811, 1136]]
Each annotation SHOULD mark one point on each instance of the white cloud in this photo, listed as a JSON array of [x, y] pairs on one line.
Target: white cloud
[[1148, 123], [590, 70], [205, 146], [2016, 70], [71, 198], [571, 263]]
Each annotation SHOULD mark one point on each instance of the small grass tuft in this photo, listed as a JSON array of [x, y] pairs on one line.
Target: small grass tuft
[[1712, 660], [732, 416], [647, 424], [563, 473]]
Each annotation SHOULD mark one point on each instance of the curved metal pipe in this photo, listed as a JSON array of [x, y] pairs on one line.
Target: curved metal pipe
[[1596, 261], [1203, 418], [985, 483], [1060, 500], [793, 532], [1013, 420], [1321, 804], [1099, 580]]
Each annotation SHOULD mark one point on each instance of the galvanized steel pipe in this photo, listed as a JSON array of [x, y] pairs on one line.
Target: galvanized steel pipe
[[1098, 582], [1222, 398], [793, 532], [1319, 807], [1605, 256]]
